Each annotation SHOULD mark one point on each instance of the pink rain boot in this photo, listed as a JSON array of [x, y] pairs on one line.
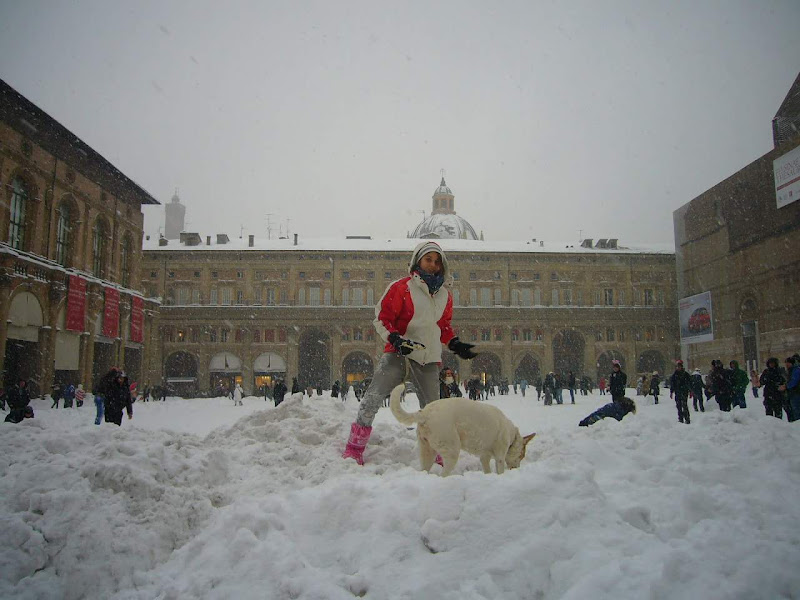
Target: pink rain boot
[[359, 436]]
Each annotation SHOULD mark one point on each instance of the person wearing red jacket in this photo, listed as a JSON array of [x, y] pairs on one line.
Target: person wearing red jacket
[[413, 318]]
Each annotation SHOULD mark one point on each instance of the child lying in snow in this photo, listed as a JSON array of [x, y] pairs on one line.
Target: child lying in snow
[[617, 410]]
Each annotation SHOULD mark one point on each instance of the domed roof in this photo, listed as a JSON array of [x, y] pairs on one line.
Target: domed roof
[[442, 189], [447, 226]]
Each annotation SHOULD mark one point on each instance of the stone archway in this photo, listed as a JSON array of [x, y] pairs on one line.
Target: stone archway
[[315, 363], [25, 319], [568, 351], [604, 363], [487, 366], [356, 367], [225, 371], [649, 361], [527, 369]]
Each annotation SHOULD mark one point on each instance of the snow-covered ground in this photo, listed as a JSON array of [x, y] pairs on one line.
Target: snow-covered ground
[[201, 499]]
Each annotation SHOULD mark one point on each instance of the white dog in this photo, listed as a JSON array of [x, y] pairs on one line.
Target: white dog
[[450, 425]]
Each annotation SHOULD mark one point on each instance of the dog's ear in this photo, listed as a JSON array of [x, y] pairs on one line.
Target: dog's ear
[[527, 439]]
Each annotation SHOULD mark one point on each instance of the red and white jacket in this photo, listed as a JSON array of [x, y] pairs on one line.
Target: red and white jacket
[[408, 308]]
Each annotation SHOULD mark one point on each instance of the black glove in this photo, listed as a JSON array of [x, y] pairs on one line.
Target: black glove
[[462, 349], [402, 345]]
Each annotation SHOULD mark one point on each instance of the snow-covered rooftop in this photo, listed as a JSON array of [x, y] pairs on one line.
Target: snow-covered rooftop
[[405, 245]]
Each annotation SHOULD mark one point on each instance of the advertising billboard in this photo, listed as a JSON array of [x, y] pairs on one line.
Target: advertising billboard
[[697, 324], [787, 177]]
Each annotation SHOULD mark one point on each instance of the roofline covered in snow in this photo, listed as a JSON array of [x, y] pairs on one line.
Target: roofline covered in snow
[[402, 244]]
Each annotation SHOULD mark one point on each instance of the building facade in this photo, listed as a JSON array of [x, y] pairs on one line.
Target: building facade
[[70, 255], [740, 242], [253, 310]]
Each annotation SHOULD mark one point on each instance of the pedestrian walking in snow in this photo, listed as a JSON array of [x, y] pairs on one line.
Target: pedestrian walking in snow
[[772, 380], [56, 395], [68, 395], [617, 381], [601, 385], [739, 382], [754, 382], [237, 395], [698, 389], [279, 391], [720, 385], [335, 389], [295, 385], [655, 381], [680, 384], [80, 395], [792, 387], [571, 385], [413, 318]]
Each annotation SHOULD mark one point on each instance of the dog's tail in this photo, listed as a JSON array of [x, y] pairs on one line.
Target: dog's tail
[[397, 410]]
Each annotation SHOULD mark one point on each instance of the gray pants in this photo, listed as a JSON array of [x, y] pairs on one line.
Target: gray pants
[[390, 373]]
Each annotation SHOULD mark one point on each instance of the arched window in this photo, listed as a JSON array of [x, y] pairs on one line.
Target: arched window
[[98, 247], [64, 234], [125, 261], [16, 223]]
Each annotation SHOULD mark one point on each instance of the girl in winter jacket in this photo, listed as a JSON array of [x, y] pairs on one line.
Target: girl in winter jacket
[[413, 318]]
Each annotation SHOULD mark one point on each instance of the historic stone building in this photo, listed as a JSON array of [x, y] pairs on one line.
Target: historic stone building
[[740, 241], [255, 309], [70, 254]]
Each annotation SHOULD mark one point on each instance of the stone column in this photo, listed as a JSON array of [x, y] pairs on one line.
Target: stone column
[[336, 356], [589, 356], [203, 374], [548, 364]]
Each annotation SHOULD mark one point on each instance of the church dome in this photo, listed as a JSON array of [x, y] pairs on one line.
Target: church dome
[[444, 223], [447, 226]]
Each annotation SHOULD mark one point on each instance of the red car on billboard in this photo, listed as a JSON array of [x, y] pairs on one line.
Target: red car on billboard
[[700, 320]]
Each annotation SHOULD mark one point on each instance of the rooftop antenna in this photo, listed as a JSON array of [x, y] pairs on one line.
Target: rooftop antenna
[[241, 231], [269, 226], [442, 172], [580, 235]]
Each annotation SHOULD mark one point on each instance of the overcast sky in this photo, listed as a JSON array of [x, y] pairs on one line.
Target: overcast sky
[[548, 117]]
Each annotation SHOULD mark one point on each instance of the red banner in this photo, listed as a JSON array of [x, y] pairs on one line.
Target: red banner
[[76, 304], [111, 313], [137, 319]]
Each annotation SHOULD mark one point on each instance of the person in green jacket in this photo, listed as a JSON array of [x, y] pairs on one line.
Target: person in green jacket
[[740, 382]]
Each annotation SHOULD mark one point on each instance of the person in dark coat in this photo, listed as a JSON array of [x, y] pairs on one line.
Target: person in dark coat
[[792, 387], [616, 410], [680, 384], [16, 415], [617, 381], [18, 396], [698, 387], [448, 388], [549, 388], [571, 385], [118, 398], [335, 389], [655, 381], [295, 385], [69, 395], [279, 391], [721, 385], [772, 380], [56, 395]]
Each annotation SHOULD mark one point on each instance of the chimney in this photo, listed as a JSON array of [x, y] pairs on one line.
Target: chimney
[[208, 240], [541, 244], [250, 239], [295, 239], [163, 241], [222, 238]]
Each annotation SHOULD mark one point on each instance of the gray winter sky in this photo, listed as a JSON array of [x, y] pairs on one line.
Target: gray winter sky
[[548, 117]]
